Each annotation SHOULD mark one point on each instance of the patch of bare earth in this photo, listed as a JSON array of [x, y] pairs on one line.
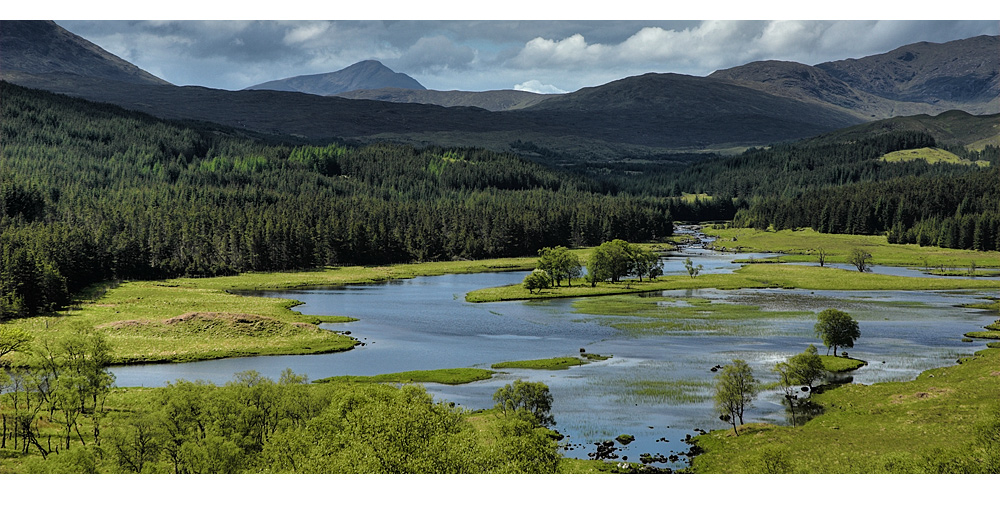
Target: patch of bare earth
[[932, 392]]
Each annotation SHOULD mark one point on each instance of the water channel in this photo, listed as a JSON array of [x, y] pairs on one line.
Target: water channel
[[657, 386]]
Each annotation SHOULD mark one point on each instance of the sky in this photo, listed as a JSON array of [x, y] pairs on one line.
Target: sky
[[545, 54]]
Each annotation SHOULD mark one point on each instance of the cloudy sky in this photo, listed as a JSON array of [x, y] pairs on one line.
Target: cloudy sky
[[535, 55]]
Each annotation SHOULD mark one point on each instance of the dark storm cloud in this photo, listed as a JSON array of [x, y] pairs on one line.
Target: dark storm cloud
[[477, 55]]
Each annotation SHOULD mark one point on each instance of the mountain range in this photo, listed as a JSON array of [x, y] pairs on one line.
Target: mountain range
[[751, 105]]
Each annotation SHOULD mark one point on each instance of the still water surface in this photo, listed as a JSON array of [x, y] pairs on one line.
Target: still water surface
[[657, 386]]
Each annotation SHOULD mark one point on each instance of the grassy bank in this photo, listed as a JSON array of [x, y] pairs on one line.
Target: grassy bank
[[453, 376], [553, 363], [803, 245], [749, 276], [927, 425], [193, 319], [835, 364]]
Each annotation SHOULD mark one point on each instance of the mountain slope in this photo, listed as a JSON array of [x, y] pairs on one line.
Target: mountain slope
[[44, 47], [963, 71], [361, 75], [923, 78], [689, 111], [638, 116], [956, 128], [499, 100]]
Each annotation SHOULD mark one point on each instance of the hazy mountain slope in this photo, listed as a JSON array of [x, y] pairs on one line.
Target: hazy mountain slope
[[812, 84], [361, 75], [44, 47], [634, 116], [499, 100], [966, 71], [923, 78]]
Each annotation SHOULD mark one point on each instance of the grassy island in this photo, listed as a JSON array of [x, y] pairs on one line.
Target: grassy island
[[453, 376], [749, 276]]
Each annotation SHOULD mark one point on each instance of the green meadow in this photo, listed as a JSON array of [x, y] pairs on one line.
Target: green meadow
[[191, 319], [803, 245], [940, 422]]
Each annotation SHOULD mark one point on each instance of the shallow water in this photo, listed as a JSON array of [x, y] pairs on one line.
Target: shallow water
[[657, 386]]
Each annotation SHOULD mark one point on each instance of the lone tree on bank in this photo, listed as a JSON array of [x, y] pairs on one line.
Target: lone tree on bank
[[802, 369], [860, 259], [837, 328], [735, 390]]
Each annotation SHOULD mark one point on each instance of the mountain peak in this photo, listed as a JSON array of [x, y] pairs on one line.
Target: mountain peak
[[368, 74]]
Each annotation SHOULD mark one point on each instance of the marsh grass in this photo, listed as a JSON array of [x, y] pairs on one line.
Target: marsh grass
[[452, 376], [652, 391], [652, 314], [555, 363]]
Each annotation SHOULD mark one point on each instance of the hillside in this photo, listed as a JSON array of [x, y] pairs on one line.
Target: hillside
[[923, 78], [642, 117], [44, 47], [960, 73], [500, 100], [361, 75], [92, 192]]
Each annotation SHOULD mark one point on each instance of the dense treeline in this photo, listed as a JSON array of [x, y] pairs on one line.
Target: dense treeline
[[791, 168], [951, 212], [89, 192]]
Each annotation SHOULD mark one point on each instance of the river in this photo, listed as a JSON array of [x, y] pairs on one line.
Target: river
[[657, 386]]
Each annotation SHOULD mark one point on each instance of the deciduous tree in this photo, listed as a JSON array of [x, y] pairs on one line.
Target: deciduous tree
[[536, 280], [861, 259], [837, 329], [735, 390], [532, 398]]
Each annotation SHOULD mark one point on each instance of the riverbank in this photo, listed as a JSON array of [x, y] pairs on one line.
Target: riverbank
[[194, 319], [944, 421], [804, 245], [750, 276]]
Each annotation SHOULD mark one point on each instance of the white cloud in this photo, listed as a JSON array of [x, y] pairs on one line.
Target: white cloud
[[536, 86], [306, 33]]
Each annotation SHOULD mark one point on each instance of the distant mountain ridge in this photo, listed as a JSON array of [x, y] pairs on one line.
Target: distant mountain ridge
[[647, 115], [498, 100], [362, 75], [922, 78]]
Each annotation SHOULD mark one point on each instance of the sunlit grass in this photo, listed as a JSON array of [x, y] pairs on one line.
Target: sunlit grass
[[931, 155], [884, 427], [453, 376], [747, 277], [802, 245], [553, 363]]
